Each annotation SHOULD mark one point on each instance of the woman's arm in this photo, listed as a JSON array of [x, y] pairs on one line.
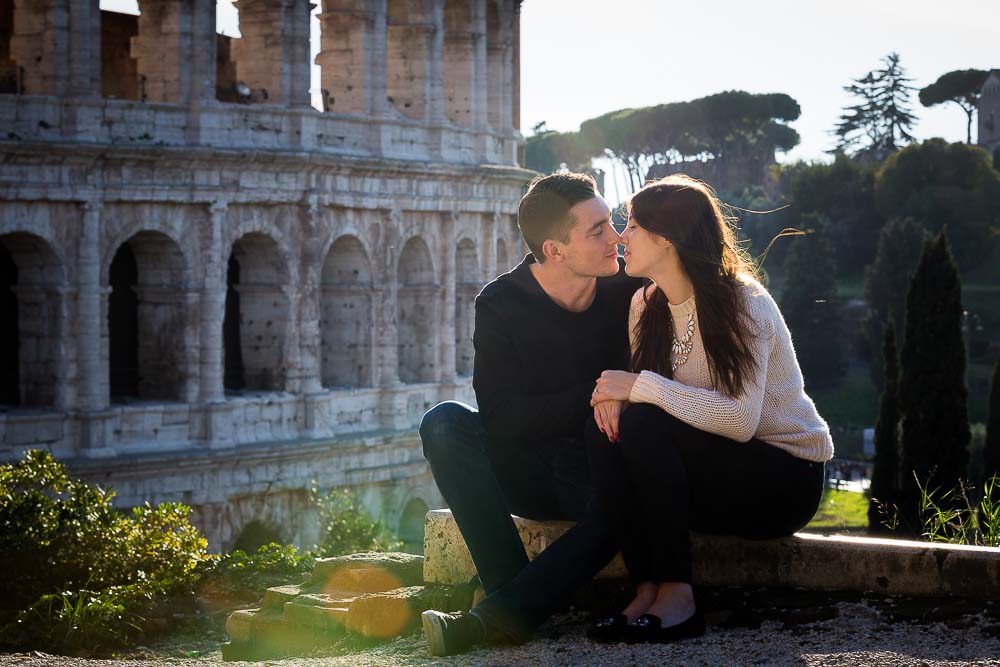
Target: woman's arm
[[711, 410]]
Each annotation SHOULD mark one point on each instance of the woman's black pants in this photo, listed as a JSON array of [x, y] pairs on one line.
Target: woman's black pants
[[664, 477]]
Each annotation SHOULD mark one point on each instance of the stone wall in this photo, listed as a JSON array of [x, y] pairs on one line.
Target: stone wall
[[989, 113], [218, 300]]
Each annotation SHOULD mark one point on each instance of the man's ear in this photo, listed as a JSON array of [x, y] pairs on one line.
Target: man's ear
[[552, 251]]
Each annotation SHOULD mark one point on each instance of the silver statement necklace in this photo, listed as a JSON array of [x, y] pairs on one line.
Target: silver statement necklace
[[680, 349]]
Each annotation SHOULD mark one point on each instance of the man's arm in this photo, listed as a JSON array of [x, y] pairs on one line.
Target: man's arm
[[509, 412]]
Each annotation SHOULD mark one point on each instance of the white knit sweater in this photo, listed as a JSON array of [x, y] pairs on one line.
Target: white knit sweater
[[773, 406]]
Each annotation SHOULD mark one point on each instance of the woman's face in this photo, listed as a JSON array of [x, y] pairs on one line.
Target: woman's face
[[644, 250]]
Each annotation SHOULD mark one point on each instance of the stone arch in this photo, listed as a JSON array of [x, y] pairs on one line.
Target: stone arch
[[258, 533], [31, 303], [459, 63], [411, 525], [256, 320], [407, 43], [417, 314], [503, 260], [467, 285], [147, 319], [346, 316]]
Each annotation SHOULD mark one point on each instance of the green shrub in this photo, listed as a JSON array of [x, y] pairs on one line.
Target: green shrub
[[227, 575], [80, 572], [346, 527]]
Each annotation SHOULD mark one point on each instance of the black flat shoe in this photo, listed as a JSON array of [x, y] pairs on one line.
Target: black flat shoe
[[649, 628], [609, 629]]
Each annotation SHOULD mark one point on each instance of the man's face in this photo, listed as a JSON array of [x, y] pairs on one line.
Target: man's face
[[592, 249]]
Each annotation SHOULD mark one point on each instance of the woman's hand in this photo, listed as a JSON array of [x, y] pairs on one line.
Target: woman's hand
[[606, 414], [613, 385]]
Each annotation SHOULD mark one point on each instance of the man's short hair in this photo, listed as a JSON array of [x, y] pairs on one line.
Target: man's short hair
[[544, 210]]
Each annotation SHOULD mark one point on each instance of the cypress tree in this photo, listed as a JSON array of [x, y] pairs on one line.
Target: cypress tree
[[885, 472], [991, 451], [932, 392]]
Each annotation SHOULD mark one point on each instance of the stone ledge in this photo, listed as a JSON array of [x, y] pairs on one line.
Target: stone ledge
[[892, 567]]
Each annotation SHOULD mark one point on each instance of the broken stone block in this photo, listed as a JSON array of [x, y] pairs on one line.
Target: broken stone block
[[276, 596], [397, 612], [368, 572], [329, 619], [239, 625]]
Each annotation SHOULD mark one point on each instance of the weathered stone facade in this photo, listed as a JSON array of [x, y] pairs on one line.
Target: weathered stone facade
[[989, 113], [217, 301]]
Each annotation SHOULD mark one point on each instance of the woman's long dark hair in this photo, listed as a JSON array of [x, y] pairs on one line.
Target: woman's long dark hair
[[686, 212]]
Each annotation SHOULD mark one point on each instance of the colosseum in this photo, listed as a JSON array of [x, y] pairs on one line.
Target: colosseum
[[214, 292]]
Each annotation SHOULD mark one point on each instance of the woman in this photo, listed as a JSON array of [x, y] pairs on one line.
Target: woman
[[712, 430]]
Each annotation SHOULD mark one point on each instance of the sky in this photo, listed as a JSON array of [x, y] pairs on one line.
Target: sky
[[579, 59]]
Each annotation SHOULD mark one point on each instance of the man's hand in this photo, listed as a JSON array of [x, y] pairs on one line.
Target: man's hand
[[613, 385], [606, 414]]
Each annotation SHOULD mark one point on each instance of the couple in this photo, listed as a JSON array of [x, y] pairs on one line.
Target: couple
[[638, 399]]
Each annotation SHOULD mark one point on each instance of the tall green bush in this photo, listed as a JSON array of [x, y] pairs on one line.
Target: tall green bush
[[885, 472], [991, 449], [887, 280], [932, 390]]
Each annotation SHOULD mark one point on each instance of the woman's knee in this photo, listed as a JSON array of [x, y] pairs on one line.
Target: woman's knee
[[643, 427], [442, 425]]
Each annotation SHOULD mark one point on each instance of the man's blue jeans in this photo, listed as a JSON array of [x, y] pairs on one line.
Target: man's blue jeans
[[484, 485]]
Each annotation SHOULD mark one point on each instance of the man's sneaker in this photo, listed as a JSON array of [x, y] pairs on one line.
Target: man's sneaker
[[450, 634]]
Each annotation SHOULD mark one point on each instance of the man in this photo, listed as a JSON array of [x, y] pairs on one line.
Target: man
[[544, 332]]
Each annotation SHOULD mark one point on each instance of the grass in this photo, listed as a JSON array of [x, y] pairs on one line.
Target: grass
[[840, 511]]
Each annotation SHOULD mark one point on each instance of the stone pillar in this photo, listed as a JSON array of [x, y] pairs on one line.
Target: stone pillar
[[408, 58], [175, 51], [84, 48], [213, 306], [352, 56], [446, 347], [89, 318], [434, 86], [515, 74], [488, 243], [309, 343], [459, 62], [480, 69], [40, 44], [499, 37], [386, 274], [273, 55]]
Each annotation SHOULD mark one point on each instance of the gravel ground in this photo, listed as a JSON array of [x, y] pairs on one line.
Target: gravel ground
[[858, 635]]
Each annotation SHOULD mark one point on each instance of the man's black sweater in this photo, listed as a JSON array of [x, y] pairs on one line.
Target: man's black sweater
[[536, 363]]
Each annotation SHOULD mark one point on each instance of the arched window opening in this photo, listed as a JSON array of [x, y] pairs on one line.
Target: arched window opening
[[263, 312], [31, 321], [411, 526], [346, 315], [257, 534], [417, 318], [233, 378], [147, 319], [123, 326], [10, 389], [503, 263]]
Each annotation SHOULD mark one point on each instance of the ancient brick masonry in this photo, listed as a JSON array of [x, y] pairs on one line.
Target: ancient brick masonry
[[212, 292]]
